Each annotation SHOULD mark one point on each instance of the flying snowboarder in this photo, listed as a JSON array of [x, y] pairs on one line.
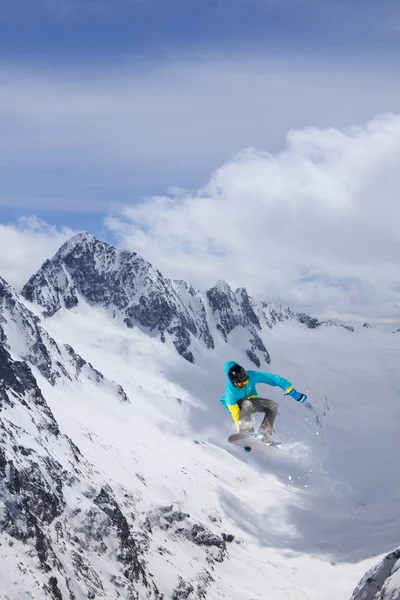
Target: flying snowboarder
[[241, 399]]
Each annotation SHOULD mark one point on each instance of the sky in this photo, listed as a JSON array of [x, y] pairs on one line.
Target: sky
[[255, 141]]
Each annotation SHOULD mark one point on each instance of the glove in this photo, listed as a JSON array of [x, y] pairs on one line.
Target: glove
[[297, 396]]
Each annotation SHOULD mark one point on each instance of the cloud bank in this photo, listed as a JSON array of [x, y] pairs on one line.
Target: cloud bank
[[315, 226], [26, 245]]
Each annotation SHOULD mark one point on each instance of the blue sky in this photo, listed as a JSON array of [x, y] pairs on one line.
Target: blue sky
[[106, 28], [107, 104]]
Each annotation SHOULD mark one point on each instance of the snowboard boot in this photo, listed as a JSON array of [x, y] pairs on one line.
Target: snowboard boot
[[249, 430], [265, 430], [264, 437], [267, 439]]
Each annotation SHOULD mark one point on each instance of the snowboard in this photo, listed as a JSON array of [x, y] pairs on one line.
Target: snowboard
[[248, 442]]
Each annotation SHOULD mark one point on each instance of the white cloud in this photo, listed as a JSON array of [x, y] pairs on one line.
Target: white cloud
[[25, 246], [316, 226]]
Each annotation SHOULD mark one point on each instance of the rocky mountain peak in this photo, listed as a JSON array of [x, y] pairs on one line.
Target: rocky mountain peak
[[80, 239], [86, 269], [223, 287]]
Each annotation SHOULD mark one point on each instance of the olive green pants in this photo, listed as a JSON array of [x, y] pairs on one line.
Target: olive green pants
[[251, 406]]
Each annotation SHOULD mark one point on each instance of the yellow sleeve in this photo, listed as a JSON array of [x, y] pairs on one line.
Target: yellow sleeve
[[235, 412]]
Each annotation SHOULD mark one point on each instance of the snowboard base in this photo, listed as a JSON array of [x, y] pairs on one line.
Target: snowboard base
[[248, 442]]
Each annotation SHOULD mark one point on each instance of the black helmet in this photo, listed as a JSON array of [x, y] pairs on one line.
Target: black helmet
[[238, 375]]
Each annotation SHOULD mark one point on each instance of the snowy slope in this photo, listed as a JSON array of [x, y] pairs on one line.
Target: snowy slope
[[54, 504], [149, 499], [331, 443], [129, 486], [320, 510]]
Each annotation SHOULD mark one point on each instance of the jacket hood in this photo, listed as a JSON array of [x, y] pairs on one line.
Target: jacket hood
[[228, 365]]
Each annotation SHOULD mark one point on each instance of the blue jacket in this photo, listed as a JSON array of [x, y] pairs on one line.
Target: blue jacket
[[232, 393]]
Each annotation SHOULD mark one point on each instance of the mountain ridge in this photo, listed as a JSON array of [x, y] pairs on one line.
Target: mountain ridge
[[131, 289]]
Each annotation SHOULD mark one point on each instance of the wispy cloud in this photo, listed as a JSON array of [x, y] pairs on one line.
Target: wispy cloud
[[26, 245], [56, 203], [392, 25], [315, 225], [154, 126]]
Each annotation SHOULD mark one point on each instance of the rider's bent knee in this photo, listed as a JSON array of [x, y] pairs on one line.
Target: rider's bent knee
[[246, 405]]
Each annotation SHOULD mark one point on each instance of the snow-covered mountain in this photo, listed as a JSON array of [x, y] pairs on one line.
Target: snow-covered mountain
[[86, 269], [51, 504], [116, 477], [79, 537], [381, 582]]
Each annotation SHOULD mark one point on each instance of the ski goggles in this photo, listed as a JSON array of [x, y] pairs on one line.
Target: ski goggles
[[242, 384]]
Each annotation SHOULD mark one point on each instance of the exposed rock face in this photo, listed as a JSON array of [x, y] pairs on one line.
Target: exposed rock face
[[382, 582], [133, 291], [40, 471]]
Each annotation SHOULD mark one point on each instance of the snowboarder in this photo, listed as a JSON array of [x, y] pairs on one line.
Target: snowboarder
[[241, 399]]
